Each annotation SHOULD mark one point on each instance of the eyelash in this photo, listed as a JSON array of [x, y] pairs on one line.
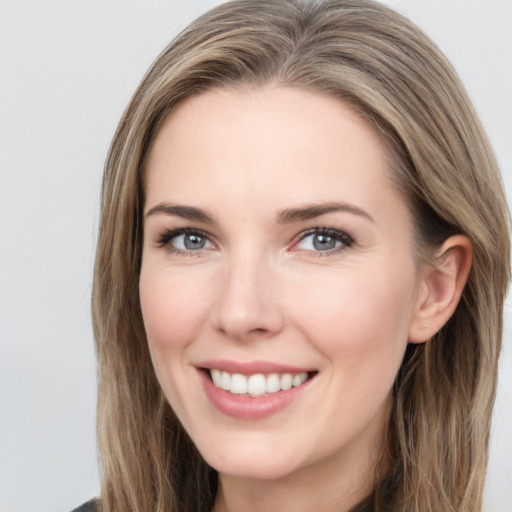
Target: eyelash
[[346, 241], [165, 238]]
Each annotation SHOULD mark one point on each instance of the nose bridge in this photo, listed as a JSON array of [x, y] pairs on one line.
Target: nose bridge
[[246, 303]]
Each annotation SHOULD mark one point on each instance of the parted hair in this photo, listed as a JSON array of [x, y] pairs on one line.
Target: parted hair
[[381, 64]]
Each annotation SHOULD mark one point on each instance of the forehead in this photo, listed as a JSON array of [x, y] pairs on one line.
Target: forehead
[[281, 144]]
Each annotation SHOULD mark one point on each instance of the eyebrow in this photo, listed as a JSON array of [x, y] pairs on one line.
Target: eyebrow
[[186, 212], [316, 210], [286, 216]]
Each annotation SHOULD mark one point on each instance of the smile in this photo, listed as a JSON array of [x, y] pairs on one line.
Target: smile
[[253, 390], [258, 384]]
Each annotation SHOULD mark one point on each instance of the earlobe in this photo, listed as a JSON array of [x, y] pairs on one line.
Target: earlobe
[[441, 288]]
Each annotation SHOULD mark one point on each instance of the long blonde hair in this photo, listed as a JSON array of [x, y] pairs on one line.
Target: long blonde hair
[[367, 55]]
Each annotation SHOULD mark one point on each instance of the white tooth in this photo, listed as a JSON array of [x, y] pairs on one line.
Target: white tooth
[[286, 381], [273, 383], [225, 382], [256, 385], [238, 384], [216, 377], [299, 379]]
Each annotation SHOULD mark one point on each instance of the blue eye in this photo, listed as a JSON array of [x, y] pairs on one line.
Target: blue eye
[[325, 240], [189, 242], [185, 241]]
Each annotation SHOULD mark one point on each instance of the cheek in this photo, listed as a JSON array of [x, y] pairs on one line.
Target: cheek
[[359, 319], [173, 308], [359, 323]]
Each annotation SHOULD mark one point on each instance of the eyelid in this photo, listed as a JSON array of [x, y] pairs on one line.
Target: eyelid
[[345, 239], [164, 238]]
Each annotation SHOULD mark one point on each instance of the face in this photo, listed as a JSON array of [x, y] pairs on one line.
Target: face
[[278, 283]]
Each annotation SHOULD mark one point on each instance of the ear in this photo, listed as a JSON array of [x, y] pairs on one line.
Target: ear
[[440, 288]]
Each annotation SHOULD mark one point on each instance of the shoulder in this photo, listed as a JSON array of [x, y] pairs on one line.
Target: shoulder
[[90, 506]]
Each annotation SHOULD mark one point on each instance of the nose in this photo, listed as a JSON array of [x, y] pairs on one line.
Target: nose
[[247, 305]]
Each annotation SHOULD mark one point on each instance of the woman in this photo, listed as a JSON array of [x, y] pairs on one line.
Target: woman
[[302, 262]]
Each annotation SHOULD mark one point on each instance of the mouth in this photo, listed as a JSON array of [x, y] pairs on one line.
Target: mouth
[[258, 384], [253, 390]]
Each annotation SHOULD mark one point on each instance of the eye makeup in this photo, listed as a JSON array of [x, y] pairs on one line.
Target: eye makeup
[[317, 241], [323, 241]]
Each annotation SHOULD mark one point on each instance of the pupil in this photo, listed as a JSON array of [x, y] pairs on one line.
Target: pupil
[[323, 242], [194, 242]]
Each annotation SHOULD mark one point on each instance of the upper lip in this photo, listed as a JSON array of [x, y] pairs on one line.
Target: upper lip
[[252, 367]]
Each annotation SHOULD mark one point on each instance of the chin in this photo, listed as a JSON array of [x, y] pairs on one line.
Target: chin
[[251, 470], [251, 460]]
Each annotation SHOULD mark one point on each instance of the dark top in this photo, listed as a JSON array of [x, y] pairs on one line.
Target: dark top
[[86, 507]]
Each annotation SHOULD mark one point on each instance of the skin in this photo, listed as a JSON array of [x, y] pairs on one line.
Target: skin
[[260, 290]]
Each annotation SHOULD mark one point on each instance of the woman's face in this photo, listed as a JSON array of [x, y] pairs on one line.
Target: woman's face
[[276, 250]]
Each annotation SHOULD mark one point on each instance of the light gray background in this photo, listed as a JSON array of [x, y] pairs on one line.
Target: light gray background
[[67, 70]]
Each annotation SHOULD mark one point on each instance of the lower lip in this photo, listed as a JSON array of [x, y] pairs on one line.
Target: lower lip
[[248, 408]]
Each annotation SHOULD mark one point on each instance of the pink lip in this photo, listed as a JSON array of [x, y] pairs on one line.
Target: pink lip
[[250, 368], [248, 408]]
